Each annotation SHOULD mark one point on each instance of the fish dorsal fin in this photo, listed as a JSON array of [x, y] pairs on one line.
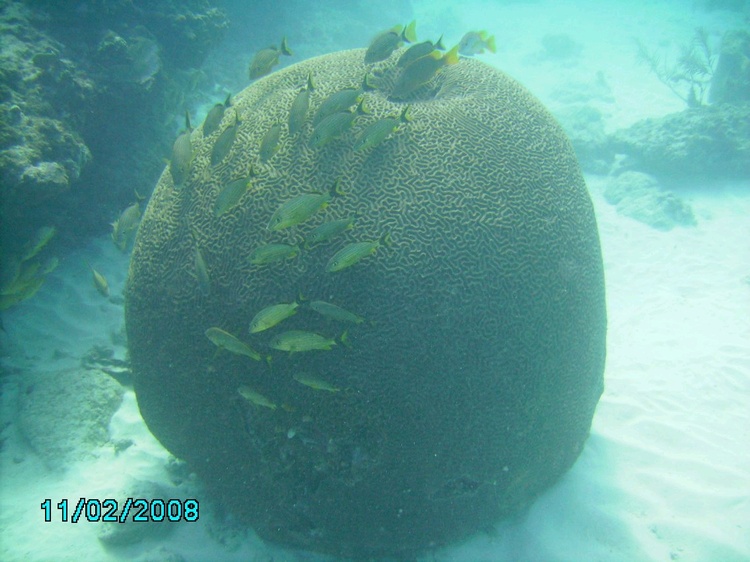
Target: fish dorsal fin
[[285, 50], [409, 34], [451, 57]]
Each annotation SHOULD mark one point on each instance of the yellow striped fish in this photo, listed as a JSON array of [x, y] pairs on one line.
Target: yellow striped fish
[[301, 208], [300, 340], [272, 315], [353, 253], [255, 397], [270, 142], [230, 195], [335, 312], [300, 106], [376, 133], [315, 383], [270, 253], [224, 340]]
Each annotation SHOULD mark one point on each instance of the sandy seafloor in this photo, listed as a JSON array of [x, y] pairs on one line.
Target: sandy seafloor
[[665, 474]]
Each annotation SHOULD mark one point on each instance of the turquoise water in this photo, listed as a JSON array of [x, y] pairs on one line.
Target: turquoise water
[[664, 471]]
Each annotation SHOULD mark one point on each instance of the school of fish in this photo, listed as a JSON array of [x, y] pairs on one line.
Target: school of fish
[[332, 120]]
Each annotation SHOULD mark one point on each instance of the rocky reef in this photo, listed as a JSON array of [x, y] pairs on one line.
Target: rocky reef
[[87, 97], [698, 143], [708, 139], [640, 197]]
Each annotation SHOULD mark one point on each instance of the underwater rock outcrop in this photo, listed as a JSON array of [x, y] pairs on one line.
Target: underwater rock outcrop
[[640, 197], [730, 82], [87, 94], [464, 382], [698, 143], [64, 414], [42, 154]]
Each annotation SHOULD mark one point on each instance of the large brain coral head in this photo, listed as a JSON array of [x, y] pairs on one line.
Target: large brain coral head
[[470, 384]]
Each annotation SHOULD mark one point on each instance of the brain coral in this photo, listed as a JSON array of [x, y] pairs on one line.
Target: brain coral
[[470, 387]]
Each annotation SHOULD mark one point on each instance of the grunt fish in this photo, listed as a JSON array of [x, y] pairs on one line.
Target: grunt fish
[[383, 44], [225, 340], [224, 143], [418, 51], [231, 194], [335, 312], [416, 74], [300, 340], [21, 292], [301, 208], [37, 244], [265, 59], [327, 231], [125, 227], [272, 315], [255, 398], [100, 282], [475, 42], [49, 266], [214, 117], [270, 142], [201, 272], [353, 253], [336, 102], [315, 383], [300, 106], [374, 134], [182, 154], [335, 125], [270, 253]]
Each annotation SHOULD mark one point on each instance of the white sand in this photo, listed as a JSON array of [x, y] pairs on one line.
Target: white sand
[[666, 471]]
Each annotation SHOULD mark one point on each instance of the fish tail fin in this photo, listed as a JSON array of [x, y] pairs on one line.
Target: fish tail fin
[[362, 108], [451, 57], [269, 359], [138, 197], [385, 240], [491, 45], [368, 83], [310, 82], [344, 339], [406, 114], [439, 44], [285, 50], [228, 101], [336, 190], [409, 34], [188, 126]]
